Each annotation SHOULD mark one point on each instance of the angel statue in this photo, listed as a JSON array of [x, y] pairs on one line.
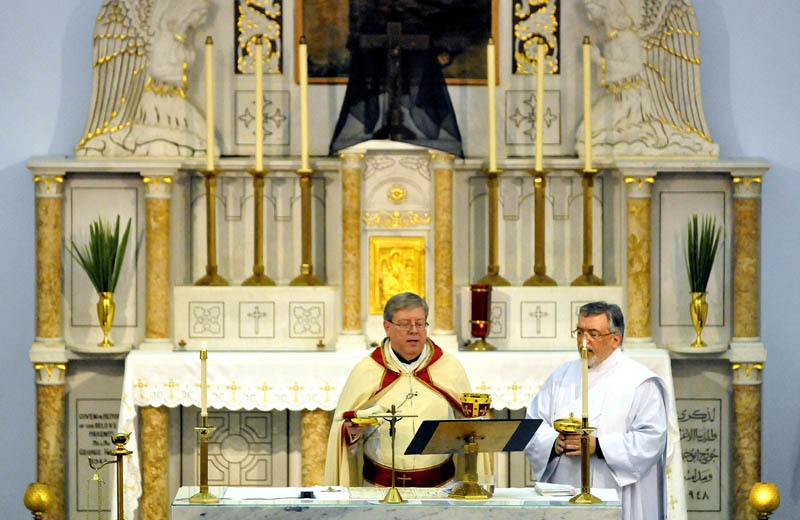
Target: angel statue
[[650, 72], [141, 52]]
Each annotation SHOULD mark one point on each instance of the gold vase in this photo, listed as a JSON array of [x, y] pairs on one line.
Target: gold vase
[[105, 313], [699, 311]]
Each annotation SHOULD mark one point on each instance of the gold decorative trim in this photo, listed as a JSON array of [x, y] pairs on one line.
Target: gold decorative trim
[[396, 219], [167, 89], [397, 193], [755, 378], [50, 373], [640, 181], [747, 181], [47, 179], [534, 22]]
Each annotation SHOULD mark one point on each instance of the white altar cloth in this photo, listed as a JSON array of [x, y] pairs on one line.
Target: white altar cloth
[[278, 503], [312, 380]]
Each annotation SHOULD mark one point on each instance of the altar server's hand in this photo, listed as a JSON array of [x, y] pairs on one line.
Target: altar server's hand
[[367, 412], [571, 444]]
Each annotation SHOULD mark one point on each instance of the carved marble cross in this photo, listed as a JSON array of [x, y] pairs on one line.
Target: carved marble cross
[[256, 315], [538, 314]]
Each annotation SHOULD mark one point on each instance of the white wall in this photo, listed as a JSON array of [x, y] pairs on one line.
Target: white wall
[[751, 74]]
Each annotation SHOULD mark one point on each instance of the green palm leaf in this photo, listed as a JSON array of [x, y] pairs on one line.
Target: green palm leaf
[[700, 251], [103, 256]]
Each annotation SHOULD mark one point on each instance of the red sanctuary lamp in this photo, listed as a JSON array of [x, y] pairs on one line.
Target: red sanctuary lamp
[[479, 321]]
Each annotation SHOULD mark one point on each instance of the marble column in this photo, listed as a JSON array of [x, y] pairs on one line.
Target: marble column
[[351, 336], [314, 428], [51, 432], [154, 504], [157, 286], [747, 435], [48, 255], [442, 166], [637, 312], [747, 351], [746, 244], [48, 352]]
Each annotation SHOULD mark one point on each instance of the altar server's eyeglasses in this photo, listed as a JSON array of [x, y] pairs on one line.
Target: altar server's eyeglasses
[[592, 333], [408, 325]]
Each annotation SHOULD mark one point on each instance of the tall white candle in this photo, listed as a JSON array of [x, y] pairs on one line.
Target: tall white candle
[[587, 103], [539, 104], [302, 56], [585, 380], [209, 103], [490, 78], [203, 382], [259, 104]]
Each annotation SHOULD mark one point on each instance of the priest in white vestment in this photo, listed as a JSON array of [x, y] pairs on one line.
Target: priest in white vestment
[[419, 378], [627, 405]]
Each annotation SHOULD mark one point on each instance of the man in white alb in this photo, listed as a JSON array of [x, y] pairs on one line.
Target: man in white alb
[[627, 405]]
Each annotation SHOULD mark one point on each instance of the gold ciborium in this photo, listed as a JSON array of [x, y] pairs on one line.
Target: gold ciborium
[[698, 309], [105, 313], [764, 498], [38, 499], [569, 425]]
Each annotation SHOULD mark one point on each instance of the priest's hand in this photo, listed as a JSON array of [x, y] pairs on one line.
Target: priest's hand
[[570, 444], [367, 412]]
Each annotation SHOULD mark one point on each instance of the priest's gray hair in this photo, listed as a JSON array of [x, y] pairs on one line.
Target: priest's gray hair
[[403, 301], [616, 321]]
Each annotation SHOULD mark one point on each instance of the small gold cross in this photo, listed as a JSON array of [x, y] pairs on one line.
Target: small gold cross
[[327, 388], [140, 385], [265, 388], [233, 387], [171, 385], [296, 388], [514, 387]]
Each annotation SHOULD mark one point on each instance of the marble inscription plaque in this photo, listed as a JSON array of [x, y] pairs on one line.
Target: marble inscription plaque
[[701, 442], [96, 422]]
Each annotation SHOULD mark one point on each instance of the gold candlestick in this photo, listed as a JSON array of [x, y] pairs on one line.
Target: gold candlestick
[[211, 277], [119, 451], [493, 269], [585, 497], [587, 277], [539, 278], [204, 496], [258, 277], [306, 276]]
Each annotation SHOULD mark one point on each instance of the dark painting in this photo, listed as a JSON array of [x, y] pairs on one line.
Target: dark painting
[[326, 26]]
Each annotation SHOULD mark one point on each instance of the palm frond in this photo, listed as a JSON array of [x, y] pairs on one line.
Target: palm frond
[[700, 250], [103, 256]]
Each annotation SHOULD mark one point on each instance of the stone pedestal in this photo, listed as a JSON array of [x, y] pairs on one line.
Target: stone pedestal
[[315, 426]]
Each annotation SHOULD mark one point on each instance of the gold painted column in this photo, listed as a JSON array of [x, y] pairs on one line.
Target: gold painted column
[[442, 166], [157, 288], [747, 352], [48, 351], [154, 503], [352, 167], [314, 428], [638, 294]]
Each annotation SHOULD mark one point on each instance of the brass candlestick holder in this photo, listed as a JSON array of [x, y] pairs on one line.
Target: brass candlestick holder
[[493, 269], [306, 276], [539, 278], [585, 497], [119, 451], [258, 277], [392, 417], [211, 277], [204, 496], [587, 277]]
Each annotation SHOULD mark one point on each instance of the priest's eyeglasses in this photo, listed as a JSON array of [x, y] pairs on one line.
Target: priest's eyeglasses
[[592, 333], [408, 325]]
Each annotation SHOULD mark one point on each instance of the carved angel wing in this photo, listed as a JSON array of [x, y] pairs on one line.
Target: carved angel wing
[[672, 65], [119, 61]]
